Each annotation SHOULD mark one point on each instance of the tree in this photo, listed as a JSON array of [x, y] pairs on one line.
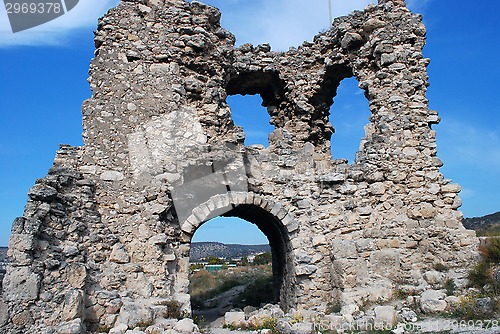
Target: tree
[[215, 260], [264, 258], [244, 261]]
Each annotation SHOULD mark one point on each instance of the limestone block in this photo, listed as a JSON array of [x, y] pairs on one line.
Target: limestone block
[[186, 326], [236, 319], [305, 269], [372, 24], [351, 40], [139, 284], [377, 188], [20, 242], [432, 301], [451, 188], [21, 285], [385, 317], [42, 192], [73, 307], [77, 275], [133, 315], [71, 327], [159, 239], [434, 278], [119, 329], [112, 175], [119, 254], [303, 328], [343, 249], [385, 262]]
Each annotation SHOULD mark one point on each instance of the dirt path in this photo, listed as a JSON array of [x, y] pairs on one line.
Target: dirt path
[[216, 307]]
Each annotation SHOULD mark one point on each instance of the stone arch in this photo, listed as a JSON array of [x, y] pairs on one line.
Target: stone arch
[[271, 218]]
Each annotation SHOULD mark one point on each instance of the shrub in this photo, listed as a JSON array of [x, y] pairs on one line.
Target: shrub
[[479, 275], [468, 309], [450, 287], [491, 252], [265, 295], [174, 310]]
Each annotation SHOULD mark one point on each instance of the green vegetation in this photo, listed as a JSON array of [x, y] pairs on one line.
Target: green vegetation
[[482, 278], [490, 231], [264, 258], [482, 274], [215, 260], [264, 285], [267, 323], [205, 285], [450, 287]]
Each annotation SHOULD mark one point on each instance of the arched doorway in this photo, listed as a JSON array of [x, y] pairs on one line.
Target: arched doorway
[[271, 218]]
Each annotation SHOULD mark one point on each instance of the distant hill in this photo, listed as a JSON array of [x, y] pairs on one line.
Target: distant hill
[[201, 250], [486, 225]]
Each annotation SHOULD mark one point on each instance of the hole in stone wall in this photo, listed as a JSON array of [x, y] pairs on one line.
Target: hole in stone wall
[[349, 114], [230, 259], [248, 112]]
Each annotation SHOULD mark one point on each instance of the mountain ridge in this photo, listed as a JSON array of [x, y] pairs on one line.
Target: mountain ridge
[[488, 224], [201, 250]]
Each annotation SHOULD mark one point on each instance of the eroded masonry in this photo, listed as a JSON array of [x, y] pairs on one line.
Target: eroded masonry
[[105, 237]]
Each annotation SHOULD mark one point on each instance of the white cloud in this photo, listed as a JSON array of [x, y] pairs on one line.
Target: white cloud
[[55, 32]]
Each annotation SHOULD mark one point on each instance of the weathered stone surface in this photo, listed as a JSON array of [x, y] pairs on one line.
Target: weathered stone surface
[[133, 315], [432, 301], [236, 319], [186, 326], [42, 192], [71, 327], [303, 328], [73, 305], [162, 155], [4, 314], [434, 278], [119, 254], [385, 317], [21, 285]]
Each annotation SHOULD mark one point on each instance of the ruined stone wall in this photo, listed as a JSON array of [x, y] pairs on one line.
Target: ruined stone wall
[[105, 237]]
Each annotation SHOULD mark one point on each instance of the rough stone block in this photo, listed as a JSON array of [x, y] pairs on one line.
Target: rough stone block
[[21, 285], [73, 307], [119, 254], [186, 326], [343, 249], [133, 315], [385, 317], [236, 319], [385, 262], [432, 301]]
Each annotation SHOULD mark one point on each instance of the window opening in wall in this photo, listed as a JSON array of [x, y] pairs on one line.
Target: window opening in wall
[[349, 115], [230, 260], [248, 112]]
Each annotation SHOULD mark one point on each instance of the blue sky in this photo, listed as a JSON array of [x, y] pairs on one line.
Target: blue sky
[[44, 72]]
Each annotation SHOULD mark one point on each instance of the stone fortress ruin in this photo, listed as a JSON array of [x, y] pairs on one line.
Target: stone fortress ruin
[[105, 237]]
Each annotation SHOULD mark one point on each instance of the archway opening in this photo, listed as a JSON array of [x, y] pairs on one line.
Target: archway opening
[[247, 93], [248, 112], [275, 253], [349, 115]]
